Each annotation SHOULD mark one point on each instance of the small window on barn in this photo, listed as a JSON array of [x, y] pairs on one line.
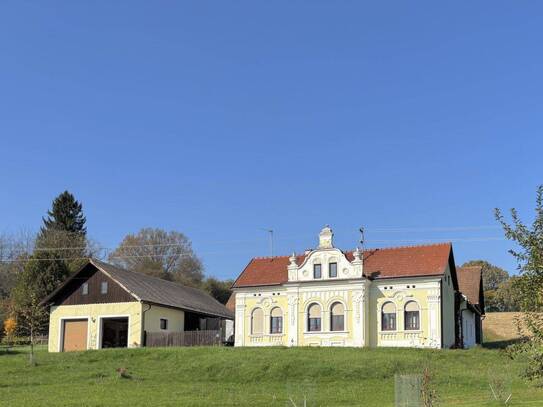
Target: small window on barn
[[163, 323], [103, 287], [85, 288]]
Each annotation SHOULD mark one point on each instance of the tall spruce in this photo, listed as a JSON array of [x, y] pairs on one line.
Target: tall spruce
[[64, 225], [61, 248]]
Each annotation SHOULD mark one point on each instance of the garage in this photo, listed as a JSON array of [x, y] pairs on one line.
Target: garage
[[114, 332], [75, 334]]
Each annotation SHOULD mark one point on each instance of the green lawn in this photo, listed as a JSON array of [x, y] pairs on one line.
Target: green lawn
[[253, 377]]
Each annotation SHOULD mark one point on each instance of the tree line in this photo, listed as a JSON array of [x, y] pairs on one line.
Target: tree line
[[31, 267]]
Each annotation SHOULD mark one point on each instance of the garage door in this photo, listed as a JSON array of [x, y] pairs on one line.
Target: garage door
[[75, 335]]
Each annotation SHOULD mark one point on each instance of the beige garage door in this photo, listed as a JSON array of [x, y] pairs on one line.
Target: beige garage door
[[75, 335]]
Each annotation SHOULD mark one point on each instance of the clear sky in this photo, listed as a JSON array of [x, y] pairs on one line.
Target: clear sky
[[219, 119]]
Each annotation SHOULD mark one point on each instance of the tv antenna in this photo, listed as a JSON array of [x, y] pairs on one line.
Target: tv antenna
[[361, 230], [270, 231]]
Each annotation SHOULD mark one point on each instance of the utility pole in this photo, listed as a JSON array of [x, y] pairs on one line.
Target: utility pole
[[270, 231]]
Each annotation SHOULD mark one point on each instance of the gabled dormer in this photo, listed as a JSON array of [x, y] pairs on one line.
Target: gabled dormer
[[325, 262]]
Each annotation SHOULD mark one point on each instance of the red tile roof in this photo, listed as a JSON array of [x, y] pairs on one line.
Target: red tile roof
[[409, 261], [469, 282]]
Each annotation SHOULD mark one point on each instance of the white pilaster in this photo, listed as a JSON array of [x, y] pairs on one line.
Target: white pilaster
[[293, 302], [240, 320], [434, 321]]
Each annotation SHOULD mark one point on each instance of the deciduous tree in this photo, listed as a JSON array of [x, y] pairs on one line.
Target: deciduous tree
[[529, 286], [163, 254]]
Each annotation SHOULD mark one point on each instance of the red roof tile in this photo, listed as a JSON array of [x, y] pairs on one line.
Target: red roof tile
[[469, 282], [409, 261]]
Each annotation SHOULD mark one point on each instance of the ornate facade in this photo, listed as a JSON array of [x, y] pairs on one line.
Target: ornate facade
[[327, 297]]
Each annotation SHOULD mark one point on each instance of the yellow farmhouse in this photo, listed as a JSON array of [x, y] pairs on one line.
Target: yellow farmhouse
[[103, 306], [404, 296]]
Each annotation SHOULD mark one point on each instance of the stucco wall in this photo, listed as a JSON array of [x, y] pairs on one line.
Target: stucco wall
[[93, 312], [175, 317], [424, 292], [447, 298]]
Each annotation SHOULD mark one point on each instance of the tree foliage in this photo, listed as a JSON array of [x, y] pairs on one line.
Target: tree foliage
[[42, 274], [159, 253], [60, 248], [529, 285], [220, 290]]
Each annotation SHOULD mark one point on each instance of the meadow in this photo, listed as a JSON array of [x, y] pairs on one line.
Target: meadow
[[221, 376]]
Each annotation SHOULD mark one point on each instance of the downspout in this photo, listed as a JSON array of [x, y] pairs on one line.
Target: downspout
[[143, 338]]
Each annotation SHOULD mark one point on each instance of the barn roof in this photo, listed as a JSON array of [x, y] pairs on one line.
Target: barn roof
[[156, 291]]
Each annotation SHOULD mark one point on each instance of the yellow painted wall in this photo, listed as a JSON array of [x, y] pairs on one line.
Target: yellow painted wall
[[267, 338], [175, 317], [325, 337], [93, 312], [400, 295]]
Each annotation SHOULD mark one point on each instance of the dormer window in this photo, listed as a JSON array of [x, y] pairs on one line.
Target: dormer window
[[332, 270], [317, 271], [85, 288], [103, 287]]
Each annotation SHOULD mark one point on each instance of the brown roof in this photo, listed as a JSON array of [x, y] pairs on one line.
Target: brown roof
[[231, 303], [469, 282], [409, 261]]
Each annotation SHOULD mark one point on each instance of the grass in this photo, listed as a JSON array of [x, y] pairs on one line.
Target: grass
[[252, 377]]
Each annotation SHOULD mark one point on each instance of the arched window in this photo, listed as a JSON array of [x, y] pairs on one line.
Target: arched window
[[337, 317], [257, 322], [276, 321], [411, 316], [314, 318], [388, 317]]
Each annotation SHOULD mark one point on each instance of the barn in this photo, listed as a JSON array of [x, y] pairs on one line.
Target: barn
[[104, 306]]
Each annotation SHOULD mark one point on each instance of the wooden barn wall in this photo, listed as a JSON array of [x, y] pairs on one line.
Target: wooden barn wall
[[72, 294]]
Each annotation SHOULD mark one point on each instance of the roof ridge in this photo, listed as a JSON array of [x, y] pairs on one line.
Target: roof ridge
[[364, 250], [411, 246]]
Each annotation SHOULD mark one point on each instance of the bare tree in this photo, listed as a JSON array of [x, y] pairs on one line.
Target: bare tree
[[167, 255]]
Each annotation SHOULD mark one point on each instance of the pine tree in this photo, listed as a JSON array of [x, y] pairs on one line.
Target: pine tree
[[61, 248], [65, 223]]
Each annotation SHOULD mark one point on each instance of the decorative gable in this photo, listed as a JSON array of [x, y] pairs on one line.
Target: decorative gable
[[325, 256]]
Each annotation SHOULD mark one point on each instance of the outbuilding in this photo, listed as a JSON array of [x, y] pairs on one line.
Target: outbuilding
[[104, 306]]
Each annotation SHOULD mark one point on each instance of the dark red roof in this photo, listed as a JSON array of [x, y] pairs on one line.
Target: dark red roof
[[409, 261]]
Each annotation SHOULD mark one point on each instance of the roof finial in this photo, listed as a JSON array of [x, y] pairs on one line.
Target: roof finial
[[325, 238]]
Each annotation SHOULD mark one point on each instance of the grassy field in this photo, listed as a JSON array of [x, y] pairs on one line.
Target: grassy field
[[253, 377]]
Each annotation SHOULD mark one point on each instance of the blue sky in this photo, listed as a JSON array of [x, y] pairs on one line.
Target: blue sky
[[219, 119]]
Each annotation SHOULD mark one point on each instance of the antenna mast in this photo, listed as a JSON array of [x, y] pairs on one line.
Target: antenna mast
[[270, 231]]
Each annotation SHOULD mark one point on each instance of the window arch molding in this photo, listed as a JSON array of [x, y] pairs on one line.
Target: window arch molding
[[276, 320], [411, 315], [257, 321], [337, 310], [388, 312], [313, 317]]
